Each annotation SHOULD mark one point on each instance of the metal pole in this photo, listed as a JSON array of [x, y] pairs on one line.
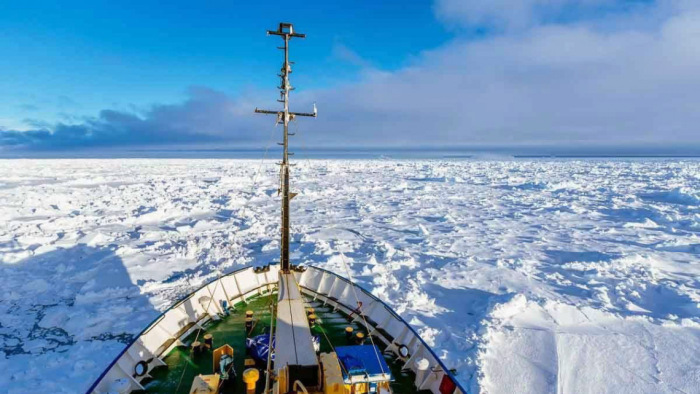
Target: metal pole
[[286, 31], [284, 250]]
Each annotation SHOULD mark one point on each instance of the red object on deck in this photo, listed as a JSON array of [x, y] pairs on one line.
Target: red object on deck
[[447, 386]]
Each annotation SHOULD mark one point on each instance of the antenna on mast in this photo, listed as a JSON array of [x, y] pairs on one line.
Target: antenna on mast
[[286, 31]]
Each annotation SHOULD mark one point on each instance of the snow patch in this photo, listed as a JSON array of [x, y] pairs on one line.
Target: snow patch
[[524, 275]]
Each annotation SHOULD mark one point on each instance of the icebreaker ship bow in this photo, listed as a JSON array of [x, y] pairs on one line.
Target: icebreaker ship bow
[[280, 328]]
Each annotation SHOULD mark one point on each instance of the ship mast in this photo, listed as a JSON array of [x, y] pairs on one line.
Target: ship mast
[[286, 31]]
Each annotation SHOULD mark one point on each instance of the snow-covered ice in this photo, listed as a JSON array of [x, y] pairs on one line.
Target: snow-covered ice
[[524, 275]]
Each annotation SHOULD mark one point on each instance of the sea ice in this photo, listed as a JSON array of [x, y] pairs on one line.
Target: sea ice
[[527, 276]]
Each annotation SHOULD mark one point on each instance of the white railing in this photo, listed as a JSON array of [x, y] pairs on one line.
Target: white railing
[[193, 311]]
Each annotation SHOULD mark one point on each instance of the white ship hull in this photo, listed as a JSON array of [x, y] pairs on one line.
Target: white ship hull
[[195, 310]]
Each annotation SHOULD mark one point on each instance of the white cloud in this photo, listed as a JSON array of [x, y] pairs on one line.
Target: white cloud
[[550, 83], [623, 79], [510, 14]]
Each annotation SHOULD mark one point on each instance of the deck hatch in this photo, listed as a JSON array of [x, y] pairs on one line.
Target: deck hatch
[[293, 339]]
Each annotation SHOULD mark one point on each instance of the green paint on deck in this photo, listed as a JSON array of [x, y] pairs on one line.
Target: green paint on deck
[[334, 324], [231, 331]]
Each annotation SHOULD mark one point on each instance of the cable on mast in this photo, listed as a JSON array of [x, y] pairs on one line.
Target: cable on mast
[[286, 31]]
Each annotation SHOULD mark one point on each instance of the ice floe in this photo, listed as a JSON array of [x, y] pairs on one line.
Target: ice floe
[[525, 275]]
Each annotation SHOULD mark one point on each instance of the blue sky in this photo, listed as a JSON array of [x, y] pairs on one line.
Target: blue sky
[[78, 57], [81, 75]]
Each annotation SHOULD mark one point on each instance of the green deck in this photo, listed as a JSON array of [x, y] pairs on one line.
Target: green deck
[[231, 331]]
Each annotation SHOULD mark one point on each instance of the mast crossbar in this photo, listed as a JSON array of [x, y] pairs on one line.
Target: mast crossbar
[[286, 31]]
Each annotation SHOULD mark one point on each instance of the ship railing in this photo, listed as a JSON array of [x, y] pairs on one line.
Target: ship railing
[[193, 311]]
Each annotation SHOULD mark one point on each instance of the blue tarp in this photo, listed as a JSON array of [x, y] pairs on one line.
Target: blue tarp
[[362, 360], [258, 347]]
